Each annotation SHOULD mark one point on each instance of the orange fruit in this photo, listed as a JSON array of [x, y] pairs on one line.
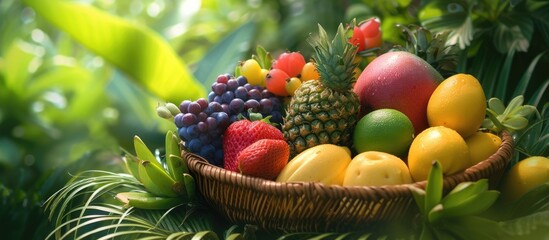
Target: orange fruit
[[524, 176], [309, 72], [437, 143], [458, 103], [482, 145], [384, 130]]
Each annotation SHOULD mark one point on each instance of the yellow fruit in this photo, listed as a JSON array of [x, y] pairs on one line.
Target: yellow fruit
[[458, 103], [525, 176], [482, 145], [309, 72], [292, 84], [325, 163], [374, 168], [252, 71], [384, 130], [437, 143], [264, 73]]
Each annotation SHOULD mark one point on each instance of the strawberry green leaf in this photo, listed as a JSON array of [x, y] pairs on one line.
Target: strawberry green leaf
[[136, 50]]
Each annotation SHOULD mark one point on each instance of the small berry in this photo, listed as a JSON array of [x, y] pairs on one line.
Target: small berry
[[276, 82], [290, 62], [292, 84]]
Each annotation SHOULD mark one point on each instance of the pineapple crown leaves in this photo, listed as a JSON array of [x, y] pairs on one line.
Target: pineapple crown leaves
[[433, 48], [334, 59]]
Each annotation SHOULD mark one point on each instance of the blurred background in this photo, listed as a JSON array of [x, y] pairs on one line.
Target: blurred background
[[78, 78]]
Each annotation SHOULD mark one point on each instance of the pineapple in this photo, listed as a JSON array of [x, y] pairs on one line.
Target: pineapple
[[325, 111]]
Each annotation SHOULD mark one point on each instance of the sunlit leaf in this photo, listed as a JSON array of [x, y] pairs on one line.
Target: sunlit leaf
[[16, 65], [224, 56], [513, 32], [441, 16], [135, 49]]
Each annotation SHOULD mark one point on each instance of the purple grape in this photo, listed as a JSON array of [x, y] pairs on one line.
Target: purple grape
[[218, 99], [194, 108], [266, 94], [184, 106], [236, 106], [248, 86], [217, 143], [254, 94], [266, 106], [195, 145], [202, 116], [218, 157], [232, 84], [207, 151], [251, 104], [178, 120], [277, 105], [211, 96], [183, 134], [219, 88], [241, 93], [225, 108], [222, 120], [203, 103], [222, 78], [202, 127], [276, 117], [216, 107], [188, 119], [227, 97], [212, 123], [241, 80], [193, 131], [233, 118], [205, 139]]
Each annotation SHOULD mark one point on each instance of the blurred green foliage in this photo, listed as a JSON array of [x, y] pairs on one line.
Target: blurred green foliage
[[67, 104]]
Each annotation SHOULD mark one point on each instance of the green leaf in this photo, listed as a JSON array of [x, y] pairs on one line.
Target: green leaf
[[533, 226], [503, 80], [223, 57], [536, 98], [514, 2], [136, 50], [433, 189], [16, 66], [520, 89], [535, 200], [513, 32], [442, 16], [540, 11]]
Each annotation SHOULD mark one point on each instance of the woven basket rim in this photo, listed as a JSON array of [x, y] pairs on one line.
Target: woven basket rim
[[313, 189]]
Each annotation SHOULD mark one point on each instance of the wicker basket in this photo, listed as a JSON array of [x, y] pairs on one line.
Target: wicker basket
[[308, 206]]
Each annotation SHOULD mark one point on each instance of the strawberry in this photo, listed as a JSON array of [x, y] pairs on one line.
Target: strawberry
[[265, 158], [242, 134]]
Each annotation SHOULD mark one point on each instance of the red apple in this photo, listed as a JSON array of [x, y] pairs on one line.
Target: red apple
[[398, 80]]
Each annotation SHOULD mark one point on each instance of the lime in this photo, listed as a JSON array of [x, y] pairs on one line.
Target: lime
[[437, 144], [384, 130]]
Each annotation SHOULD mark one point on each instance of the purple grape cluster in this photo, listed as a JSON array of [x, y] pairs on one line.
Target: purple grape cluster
[[202, 123], [237, 96]]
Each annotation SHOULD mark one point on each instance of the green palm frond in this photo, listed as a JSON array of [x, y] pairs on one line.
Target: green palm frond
[[86, 209]]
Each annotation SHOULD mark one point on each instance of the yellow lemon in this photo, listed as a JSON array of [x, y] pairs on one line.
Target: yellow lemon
[[458, 103], [525, 176], [374, 168], [437, 143], [482, 145]]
